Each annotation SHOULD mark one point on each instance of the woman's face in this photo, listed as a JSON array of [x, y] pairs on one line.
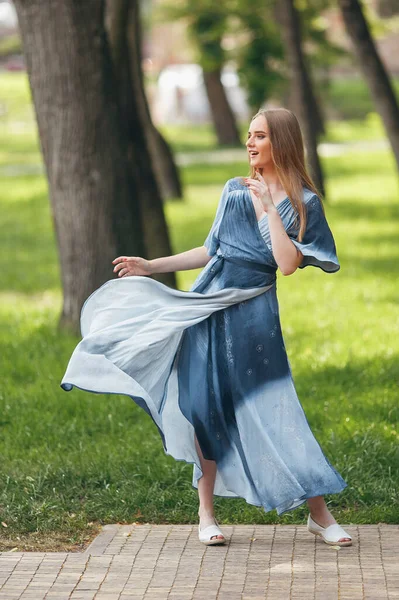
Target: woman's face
[[258, 143]]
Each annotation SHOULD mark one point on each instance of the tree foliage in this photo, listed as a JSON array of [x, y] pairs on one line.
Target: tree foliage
[[260, 56], [254, 41], [207, 23]]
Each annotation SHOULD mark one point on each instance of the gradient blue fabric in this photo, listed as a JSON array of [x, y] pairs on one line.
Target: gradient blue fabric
[[212, 361]]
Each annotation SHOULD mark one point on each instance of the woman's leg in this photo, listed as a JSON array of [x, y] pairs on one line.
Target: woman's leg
[[320, 513], [205, 491]]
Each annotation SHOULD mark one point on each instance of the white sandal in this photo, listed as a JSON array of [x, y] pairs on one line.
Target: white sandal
[[330, 534], [206, 534]]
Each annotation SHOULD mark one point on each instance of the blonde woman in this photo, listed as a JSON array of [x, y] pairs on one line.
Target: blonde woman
[[209, 365]]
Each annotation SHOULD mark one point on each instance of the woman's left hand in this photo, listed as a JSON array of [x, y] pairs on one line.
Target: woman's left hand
[[261, 190]]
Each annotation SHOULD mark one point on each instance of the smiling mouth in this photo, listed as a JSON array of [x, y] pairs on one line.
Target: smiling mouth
[[252, 154]]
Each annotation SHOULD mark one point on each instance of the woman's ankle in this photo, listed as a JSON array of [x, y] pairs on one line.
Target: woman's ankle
[[206, 512]]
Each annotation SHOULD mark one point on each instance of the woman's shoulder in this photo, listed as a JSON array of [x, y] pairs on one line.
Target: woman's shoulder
[[235, 184], [310, 198]]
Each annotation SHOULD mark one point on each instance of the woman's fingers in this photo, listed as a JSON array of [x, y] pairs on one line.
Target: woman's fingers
[[119, 259], [259, 184], [125, 266], [119, 266], [259, 177], [259, 187], [129, 260], [254, 183], [256, 189]]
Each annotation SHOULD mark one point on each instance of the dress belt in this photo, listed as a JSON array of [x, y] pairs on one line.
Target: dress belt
[[249, 264]]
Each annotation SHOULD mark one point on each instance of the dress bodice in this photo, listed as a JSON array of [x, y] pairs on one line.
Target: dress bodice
[[236, 231]]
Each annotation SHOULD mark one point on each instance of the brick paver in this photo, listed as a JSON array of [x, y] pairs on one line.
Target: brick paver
[[167, 562]]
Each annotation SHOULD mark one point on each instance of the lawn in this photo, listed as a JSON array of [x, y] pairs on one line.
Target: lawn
[[71, 462]]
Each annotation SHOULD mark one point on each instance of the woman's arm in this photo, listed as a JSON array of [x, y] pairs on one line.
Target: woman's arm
[[126, 266], [286, 254], [192, 259]]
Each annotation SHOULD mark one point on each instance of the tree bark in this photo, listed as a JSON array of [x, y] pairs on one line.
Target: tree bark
[[154, 227], [222, 113], [165, 167], [318, 117], [288, 18], [95, 211], [373, 70]]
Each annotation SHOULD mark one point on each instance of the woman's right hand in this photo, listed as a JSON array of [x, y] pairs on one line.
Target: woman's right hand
[[127, 266]]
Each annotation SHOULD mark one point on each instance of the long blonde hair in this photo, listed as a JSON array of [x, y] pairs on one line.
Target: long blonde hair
[[288, 155]]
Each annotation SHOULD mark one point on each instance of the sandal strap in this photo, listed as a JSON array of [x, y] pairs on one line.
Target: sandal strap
[[209, 532], [333, 533]]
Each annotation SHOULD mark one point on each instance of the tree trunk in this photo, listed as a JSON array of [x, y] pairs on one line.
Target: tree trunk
[[148, 194], [288, 18], [167, 170], [222, 114], [318, 117], [373, 70], [165, 167], [84, 147]]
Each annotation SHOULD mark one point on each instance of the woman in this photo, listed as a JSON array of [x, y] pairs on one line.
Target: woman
[[210, 365]]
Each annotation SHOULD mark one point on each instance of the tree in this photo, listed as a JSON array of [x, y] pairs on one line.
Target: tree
[[163, 161], [95, 210], [260, 56], [207, 23], [373, 70], [288, 19], [101, 183], [207, 30], [147, 191], [319, 52]]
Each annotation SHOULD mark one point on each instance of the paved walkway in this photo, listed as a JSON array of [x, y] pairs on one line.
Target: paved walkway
[[166, 562]]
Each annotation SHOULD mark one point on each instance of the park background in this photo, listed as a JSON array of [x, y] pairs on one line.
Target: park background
[[71, 462]]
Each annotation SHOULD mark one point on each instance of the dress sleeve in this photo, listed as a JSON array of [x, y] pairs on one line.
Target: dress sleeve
[[212, 240], [317, 245]]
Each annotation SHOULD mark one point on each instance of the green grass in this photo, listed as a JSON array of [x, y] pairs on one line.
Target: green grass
[[369, 129], [71, 461]]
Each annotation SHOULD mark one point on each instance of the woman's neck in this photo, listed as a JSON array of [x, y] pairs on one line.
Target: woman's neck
[[271, 178]]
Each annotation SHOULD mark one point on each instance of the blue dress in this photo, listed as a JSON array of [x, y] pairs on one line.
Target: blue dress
[[212, 361]]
